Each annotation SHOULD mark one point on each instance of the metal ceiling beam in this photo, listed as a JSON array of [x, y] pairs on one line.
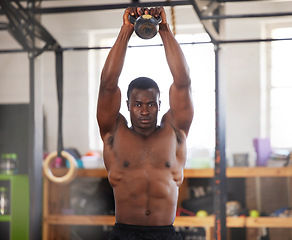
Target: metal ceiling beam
[[212, 6], [207, 24], [23, 26], [224, 1], [107, 7], [79, 48], [209, 21], [256, 15], [255, 40], [205, 14]]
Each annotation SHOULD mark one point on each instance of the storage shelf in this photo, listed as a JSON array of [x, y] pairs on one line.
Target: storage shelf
[[180, 221], [241, 172], [187, 221], [80, 220], [234, 172], [236, 222], [259, 172]]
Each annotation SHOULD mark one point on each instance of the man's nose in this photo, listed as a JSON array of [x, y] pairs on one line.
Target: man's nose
[[144, 110]]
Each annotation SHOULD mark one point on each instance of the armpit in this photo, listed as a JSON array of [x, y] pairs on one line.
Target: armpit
[[110, 141], [178, 138], [178, 134]]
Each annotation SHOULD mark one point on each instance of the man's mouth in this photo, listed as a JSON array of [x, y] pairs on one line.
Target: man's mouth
[[145, 120]]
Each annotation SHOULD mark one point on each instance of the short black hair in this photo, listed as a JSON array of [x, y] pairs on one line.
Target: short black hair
[[142, 83]]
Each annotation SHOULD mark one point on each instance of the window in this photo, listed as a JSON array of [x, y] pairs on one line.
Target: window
[[280, 88], [150, 61]]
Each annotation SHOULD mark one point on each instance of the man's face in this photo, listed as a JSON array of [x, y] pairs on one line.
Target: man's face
[[143, 106]]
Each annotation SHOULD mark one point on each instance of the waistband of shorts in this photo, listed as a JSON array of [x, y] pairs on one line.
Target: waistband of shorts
[[122, 226]]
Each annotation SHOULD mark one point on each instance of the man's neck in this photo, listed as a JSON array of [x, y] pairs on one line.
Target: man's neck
[[145, 132]]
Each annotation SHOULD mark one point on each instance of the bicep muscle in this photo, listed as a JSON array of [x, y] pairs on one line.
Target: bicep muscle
[[181, 107], [108, 108]]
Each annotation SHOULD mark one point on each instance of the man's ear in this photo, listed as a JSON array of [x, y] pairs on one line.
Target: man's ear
[[159, 105], [128, 105]]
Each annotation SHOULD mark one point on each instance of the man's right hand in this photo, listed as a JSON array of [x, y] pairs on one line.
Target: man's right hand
[[135, 12], [158, 11]]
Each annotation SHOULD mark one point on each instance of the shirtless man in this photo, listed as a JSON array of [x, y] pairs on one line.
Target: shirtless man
[[145, 162]]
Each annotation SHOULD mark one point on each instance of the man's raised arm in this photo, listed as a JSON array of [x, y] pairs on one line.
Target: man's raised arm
[[109, 99], [180, 99]]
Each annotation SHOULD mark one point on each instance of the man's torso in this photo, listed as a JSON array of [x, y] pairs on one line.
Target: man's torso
[[145, 173]]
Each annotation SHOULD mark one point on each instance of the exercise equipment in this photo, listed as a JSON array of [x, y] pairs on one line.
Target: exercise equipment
[[69, 176], [173, 20], [61, 153], [145, 26]]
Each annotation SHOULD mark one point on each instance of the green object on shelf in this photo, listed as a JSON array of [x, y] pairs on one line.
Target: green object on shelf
[[19, 206], [8, 163], [4, 201]]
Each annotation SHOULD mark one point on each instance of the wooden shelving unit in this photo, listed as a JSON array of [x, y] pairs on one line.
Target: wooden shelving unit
[[234, 172], [183, 221], [110, 220], [207, 222]]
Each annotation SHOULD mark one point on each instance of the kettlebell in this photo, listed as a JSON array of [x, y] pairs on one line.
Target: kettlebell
[[145, 26]]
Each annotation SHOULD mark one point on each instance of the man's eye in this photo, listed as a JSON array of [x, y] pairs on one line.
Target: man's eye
[[137, 105], [151, 104]]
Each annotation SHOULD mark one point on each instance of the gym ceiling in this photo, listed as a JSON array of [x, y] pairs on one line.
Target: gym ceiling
[[18, 16]]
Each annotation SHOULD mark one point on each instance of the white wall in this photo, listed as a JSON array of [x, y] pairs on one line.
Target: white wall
[[14, 71], [243, 72], [240, 69], [242, 77], [80, 88]]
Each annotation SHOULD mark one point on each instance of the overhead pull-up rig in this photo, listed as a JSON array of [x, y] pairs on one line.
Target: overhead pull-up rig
[[26, 29], [210, 16]]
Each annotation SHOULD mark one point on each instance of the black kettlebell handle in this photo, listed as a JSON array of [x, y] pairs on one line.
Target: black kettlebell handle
[[132, 19]]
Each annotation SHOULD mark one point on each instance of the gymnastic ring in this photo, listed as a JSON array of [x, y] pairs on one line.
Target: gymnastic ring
[[69, 176]]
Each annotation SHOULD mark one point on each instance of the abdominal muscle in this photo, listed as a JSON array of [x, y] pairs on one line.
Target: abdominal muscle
[[145, 196]]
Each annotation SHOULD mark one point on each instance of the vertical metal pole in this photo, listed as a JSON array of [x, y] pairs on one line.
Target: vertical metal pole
[[220, 161], [36, 144]]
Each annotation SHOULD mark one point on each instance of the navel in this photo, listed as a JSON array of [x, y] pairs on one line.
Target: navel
[[126, 164], [147, 213], [167, 164]]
